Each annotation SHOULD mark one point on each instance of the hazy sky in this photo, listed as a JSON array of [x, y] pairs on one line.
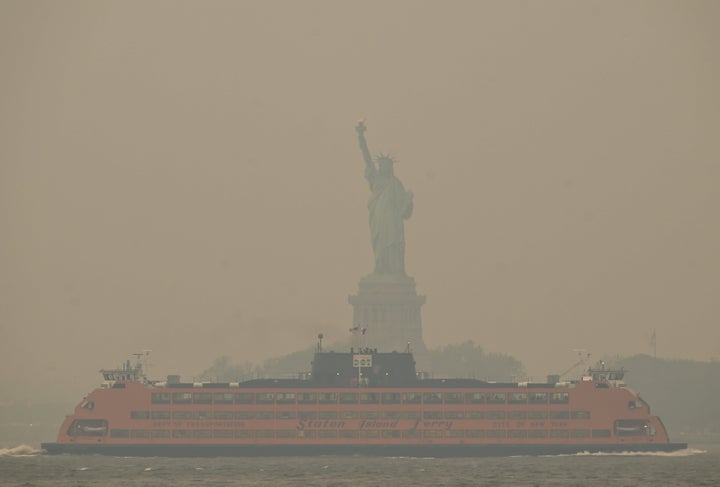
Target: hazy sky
[[185, 177]]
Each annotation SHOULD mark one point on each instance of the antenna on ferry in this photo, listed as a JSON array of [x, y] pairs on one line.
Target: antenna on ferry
[[581, 359], [319, 344], [141, 359]]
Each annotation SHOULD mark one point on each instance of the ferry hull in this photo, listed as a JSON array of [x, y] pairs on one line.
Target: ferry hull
[[488, 450]]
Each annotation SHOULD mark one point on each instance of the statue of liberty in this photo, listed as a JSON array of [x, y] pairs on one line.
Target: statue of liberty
[[388, 207]]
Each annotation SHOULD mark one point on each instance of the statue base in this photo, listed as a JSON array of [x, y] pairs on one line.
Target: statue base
[[388, 307]]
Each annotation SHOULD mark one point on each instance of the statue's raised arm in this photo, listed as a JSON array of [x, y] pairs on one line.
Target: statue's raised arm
[[360, 128], [370, 170]]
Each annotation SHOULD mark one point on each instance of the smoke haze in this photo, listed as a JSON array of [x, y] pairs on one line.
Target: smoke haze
[[185, 177]]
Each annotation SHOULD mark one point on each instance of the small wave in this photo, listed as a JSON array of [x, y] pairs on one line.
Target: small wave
[[19, 451], [677, 453]]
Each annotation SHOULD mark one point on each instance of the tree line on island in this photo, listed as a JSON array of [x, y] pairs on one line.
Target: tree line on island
[[465, 360]]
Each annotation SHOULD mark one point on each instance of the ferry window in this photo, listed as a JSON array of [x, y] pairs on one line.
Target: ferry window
[[495, 415], [223, 433], [475, 398], [412, 434], [432, 398], [327, 433], [475, 415], [411, 414], [391, 434], [244, 398], [160, 398], [633, 427], [244, 414], [286, 433], [182, 433], [348, 414], [391, 414], [140, 433], [411, 397], [327, 414], [559, 398], [181, 398], [580, 414], [369, 398], [453, 398], [223, 398], [159, 433], [432, 433], [455, 433], [495, 433], [264, 415], [516, 414], [368, 414], [454, 415], [202, 415], [264, 434], [391, 398], [559, 415], [537, 415], [432, 415], [348, 398], [496, 398], [537, 398], [88, 427], [537, 433], [202, 434], [307, 398], [601, 433], [244, 434], [160, 415], [559, 434], [119, 433], [306, 433], [348, 434], [223, 415], [369, 433], [307, 414], [286, 398], [264, 398], [517, 398], [580, 433], [182, 415], [517, 434], [139, 414], [327, 398], [202, 398], [286, 415], [475, 433]]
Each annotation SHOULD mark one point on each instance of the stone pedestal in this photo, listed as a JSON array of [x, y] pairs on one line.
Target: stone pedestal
[[389, 308]]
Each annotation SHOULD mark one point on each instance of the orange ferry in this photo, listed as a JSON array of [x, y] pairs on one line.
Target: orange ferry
[[360, 402]]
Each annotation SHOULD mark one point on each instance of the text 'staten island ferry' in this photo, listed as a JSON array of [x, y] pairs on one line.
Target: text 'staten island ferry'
[[360, 402]]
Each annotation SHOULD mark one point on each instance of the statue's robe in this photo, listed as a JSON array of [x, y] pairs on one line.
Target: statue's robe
[[388, 206]]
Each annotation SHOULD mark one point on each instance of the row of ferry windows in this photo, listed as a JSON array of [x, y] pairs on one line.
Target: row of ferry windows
[[331, 433], [360, 415], [360, 397]]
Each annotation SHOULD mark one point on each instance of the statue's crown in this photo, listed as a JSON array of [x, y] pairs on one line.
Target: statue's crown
[[385, 158]]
